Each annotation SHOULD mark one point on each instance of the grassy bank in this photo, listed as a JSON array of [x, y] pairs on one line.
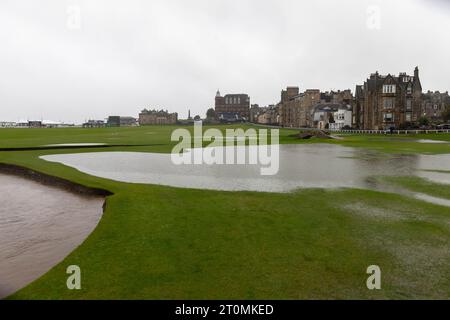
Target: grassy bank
[[157, 242]]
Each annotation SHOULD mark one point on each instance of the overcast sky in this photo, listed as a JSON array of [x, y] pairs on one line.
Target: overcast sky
[[71, 60]]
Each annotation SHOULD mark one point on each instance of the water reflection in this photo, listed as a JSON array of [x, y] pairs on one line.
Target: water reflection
[[301, 166]]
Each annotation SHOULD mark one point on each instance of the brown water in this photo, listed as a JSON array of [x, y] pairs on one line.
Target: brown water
[[39, 226]]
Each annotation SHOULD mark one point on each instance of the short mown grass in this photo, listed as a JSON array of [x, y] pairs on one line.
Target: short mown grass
[[157, 242]]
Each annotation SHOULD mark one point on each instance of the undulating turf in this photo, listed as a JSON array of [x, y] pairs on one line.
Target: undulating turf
[[157, 242]]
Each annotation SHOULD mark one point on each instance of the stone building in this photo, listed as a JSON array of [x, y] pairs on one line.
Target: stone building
[[233, 103], [288, 108], [151, 117], [385, 102], [268, 115], [296, 108], [434, 104], [255, 110], [340, 96]]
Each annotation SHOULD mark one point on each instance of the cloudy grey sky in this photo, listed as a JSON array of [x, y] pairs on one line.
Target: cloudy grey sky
[[70, 60]]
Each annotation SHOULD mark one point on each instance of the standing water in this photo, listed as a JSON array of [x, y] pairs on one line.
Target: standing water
[[300, 166], [39, 226]]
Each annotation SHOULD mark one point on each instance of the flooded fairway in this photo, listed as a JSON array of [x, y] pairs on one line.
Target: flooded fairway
[[39, 226], [300, 166]]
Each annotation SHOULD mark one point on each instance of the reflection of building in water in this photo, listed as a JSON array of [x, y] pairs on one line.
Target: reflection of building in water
[[376, 165]]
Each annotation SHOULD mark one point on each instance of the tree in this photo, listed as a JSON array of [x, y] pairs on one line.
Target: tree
[[331, 118], [210, 114], [423, 121]]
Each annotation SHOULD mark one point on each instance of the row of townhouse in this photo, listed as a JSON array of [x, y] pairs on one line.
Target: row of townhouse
[[382, 102]]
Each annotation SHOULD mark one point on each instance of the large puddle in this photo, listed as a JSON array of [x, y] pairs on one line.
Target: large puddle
[[39, 227], [300, 166]]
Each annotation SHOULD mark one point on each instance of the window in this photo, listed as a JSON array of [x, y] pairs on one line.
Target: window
[[388, 117], [409, 90], [388, 103], [408, 104], [389, 88], [408, 117]]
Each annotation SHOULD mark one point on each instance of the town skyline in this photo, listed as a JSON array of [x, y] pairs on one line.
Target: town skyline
[[73, 61]]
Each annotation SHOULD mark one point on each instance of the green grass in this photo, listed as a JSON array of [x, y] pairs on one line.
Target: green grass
[[417, 184], [157, 242], [159, 137]]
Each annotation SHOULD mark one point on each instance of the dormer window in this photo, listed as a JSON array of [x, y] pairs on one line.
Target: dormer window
[[389, 88]]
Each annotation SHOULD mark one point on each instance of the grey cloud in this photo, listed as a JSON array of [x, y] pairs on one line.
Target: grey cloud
[[175, 54]]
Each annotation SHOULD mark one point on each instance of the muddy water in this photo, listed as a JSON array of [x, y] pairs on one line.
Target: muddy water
[[39, 226], [300, 166]]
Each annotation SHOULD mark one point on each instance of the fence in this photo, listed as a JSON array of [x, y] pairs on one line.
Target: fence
[[398, 132]]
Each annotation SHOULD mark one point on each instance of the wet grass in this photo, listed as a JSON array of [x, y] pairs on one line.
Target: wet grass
[[417, 184], [160, 135], [157, 242]]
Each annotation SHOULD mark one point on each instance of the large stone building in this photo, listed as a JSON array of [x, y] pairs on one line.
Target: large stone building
[[150, 117], [385, 102], [434, 104], [233, 104], [297, 109]]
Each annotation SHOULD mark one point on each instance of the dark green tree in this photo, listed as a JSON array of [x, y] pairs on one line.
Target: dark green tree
[[331, 118], [210, 113], [424, 121]]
